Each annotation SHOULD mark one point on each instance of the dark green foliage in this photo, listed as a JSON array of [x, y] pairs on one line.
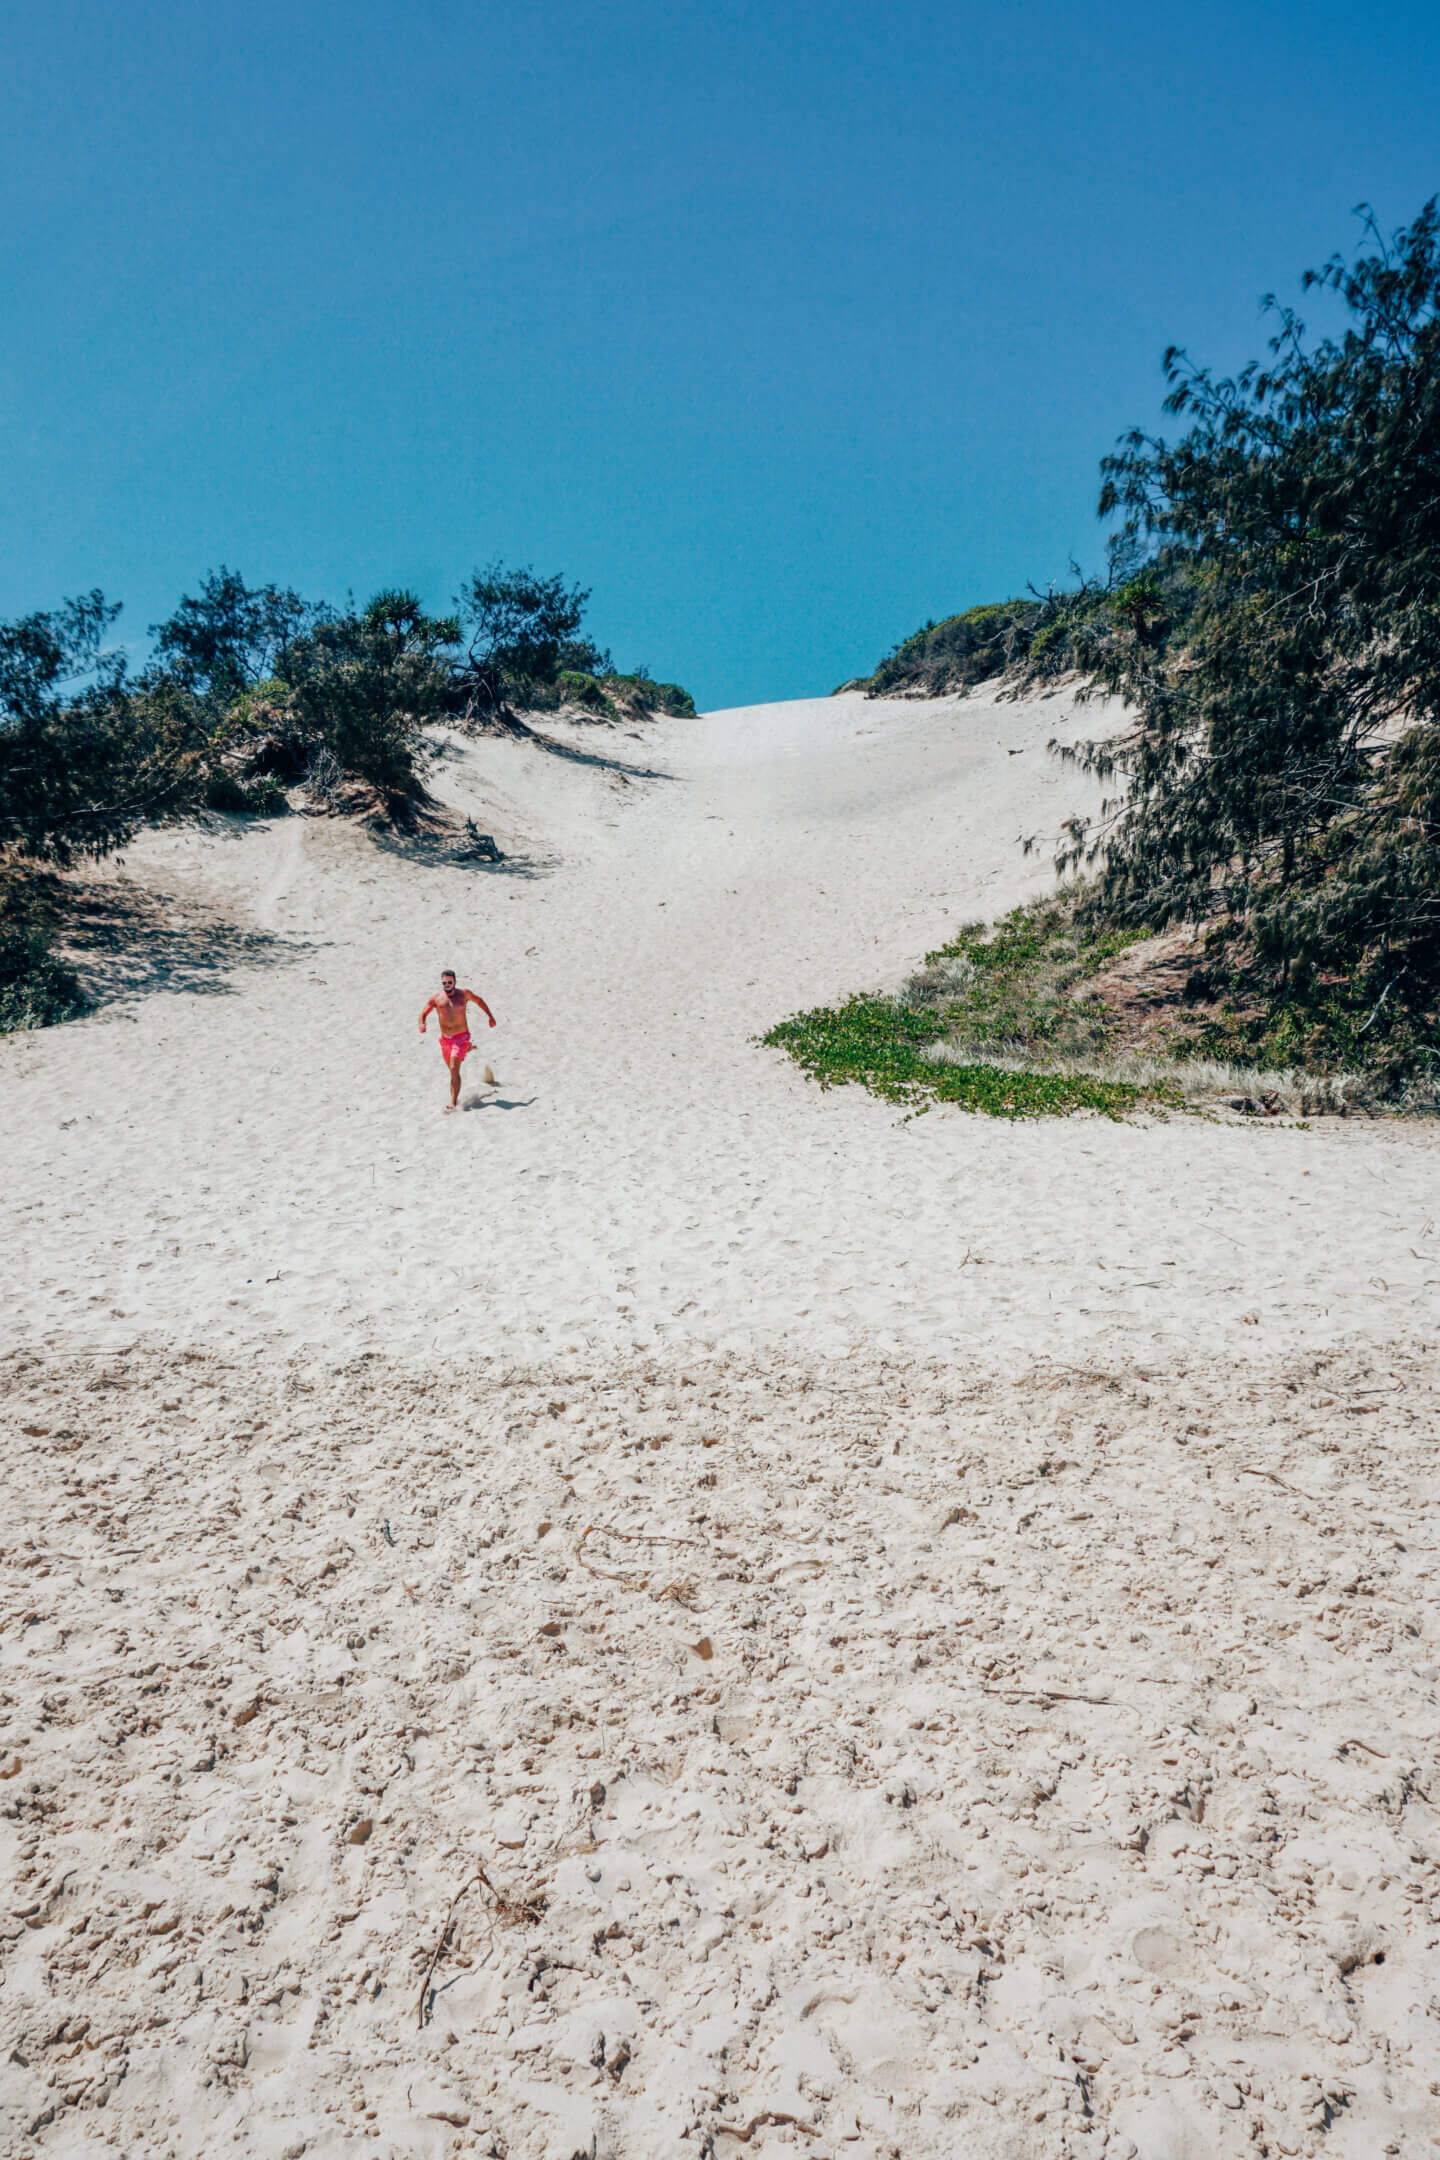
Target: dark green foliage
[[663, 697], [1022, 987], [46, 658], [1023, 994], [527, 653], [574, 687], [1019, 985], [1318, 1022], [36, 989], [1017, 988], [582, 656], [522, 630], [85, 756], [230, 637], [292, 683], [1284, 772], [1272, 618], [965, 649], [880, 1042], [252, 691], [608, 696], [258, 797], [1069, 630], [298, 687], [1082, 629], [356, 689], [614, 697]]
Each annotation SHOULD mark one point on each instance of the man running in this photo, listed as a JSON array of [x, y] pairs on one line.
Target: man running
[[449, 1006]]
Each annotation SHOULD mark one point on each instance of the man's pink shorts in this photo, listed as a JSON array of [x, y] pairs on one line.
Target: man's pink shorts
[[455, 1047]]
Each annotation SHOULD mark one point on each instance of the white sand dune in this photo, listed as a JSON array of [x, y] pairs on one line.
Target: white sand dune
[[270, 1160], [1051, 1501]]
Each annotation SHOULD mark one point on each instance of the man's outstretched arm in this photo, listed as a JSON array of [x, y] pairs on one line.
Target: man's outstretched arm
[[425, 1014], [471, 998]]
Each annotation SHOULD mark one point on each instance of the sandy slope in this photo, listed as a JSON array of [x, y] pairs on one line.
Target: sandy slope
[[1050, 1498], [271, 1158]]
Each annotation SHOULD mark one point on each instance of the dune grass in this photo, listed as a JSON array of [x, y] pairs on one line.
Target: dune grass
[[1021, 986]]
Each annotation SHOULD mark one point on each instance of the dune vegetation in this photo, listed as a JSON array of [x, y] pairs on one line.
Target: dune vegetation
[[1270, 621], [984, 1024], [255, 702]]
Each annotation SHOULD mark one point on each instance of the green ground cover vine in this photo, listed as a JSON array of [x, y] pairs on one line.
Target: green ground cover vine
[[997, 993]]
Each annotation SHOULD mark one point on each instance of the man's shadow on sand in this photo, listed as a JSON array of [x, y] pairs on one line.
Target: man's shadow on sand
[[498, 1102]]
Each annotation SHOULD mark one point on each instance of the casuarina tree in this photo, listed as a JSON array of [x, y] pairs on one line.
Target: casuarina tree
[[1283, 771], [86, 755], [230, 636], [522, 630]]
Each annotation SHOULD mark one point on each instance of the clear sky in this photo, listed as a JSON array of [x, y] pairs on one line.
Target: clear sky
[[783, 326]]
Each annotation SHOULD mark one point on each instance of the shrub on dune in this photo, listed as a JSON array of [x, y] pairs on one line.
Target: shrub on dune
[[526, 652]]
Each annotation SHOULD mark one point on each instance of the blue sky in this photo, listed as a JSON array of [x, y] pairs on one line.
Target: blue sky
[[781, 326]]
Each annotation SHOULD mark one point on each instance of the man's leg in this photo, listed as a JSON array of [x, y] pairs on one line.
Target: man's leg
[[455, 1080]]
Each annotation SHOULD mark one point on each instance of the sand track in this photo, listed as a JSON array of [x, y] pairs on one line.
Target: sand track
[[1053, 1502]]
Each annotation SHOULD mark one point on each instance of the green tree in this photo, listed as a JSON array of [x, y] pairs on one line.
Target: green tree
[[523, 630], [87, 756], [1283, 772], [229, 637], [361, 687]]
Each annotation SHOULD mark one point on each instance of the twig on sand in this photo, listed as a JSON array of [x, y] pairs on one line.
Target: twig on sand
[[625, 1537], [758, 2122], [1250, 1470], [523, 1909], [634, 1537], [1053, 1694]]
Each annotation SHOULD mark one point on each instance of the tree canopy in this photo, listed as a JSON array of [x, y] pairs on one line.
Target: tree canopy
[[86, 755], [1284, 766], [1271, 617], [522, 630], [358, 688], [229, 637], [253, 689]]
